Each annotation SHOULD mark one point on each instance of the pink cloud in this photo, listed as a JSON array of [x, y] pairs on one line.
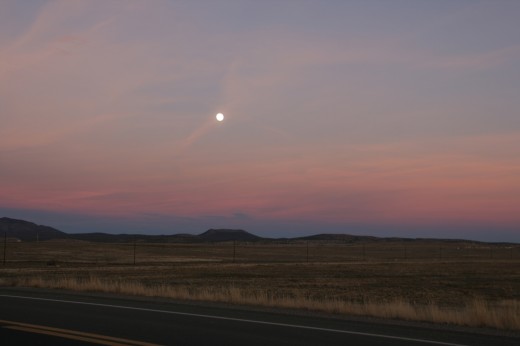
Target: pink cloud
[[76, 129]]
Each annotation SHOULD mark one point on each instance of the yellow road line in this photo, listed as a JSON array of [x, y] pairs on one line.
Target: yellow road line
[[66, 336], [72, 334]]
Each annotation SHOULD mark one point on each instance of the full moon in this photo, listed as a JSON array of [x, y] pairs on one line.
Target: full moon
[[220, 116]]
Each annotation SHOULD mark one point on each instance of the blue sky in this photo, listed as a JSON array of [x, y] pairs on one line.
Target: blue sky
[[396, 118]]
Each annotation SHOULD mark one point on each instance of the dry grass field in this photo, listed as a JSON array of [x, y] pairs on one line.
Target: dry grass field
[[471, 284]]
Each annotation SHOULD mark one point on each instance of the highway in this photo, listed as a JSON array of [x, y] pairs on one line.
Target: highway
[[47, 317]]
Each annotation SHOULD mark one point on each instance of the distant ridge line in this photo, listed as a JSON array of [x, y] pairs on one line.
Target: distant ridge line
[[21, 230]]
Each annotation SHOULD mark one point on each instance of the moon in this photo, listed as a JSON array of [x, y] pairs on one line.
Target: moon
[[220, 116]]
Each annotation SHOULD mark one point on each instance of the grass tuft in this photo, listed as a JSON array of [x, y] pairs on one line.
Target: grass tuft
[[503, 314]]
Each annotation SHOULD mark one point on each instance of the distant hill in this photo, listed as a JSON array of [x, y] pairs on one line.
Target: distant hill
[[212, 235], [28, 231], [348, 238], [344, 238], [218, 235], [128, 238]]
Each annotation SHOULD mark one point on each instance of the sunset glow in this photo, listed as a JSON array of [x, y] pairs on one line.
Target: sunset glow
[[345, 117]]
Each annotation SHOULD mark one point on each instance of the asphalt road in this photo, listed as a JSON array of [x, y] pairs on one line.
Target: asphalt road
[[46, 317]]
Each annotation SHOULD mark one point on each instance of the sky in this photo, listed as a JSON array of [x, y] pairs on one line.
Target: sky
[[386, 118]]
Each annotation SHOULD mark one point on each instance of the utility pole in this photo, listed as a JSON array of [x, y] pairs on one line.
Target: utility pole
[[307, 251], [134, 250], [5, 244], [234, 250]]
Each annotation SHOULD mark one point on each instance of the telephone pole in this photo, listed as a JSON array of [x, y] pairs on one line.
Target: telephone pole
[[5, 244]]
